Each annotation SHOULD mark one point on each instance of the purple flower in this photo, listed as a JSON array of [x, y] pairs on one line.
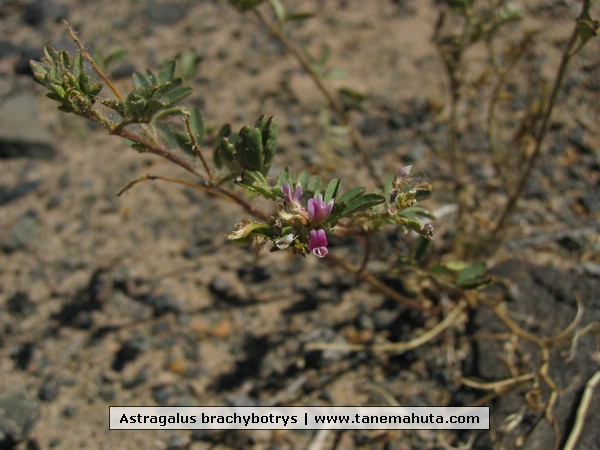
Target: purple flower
[[319, 210], [293, 198], [318, 243]]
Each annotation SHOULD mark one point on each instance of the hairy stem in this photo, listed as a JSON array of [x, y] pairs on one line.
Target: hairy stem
[[89, 58], [539, 138], [332, 100], [374, 282]]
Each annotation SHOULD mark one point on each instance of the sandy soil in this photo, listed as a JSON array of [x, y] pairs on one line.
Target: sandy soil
[[139, 300]]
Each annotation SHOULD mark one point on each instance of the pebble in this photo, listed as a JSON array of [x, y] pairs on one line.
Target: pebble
[[39, 11], [20, 305], [49, 390], [163, 304], [10, 194], [163, 13], [18, 414], [21, 132], [23, 355], [21, 234], [129, 351]]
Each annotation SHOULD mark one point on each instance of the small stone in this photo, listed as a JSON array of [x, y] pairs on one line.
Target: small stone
[[7, 48], [21, 234], [107, 394], [164, 13], [140, 378], [123, 70], [178, 442], [21, 133], [129, 351], [8, 195], [18, 413], [21, 305], [163, 304], [23, 355], [39, 11], [161, 395], [69, 412], [49, 390]]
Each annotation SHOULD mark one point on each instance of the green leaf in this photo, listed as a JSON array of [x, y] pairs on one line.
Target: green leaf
[[332, 190], [303, 178], [224, 131], [197, 125], [457, 265], [140, 81], [362, 203], [225, 156], [472, 276], [115, 104], [422, 248], [314, 184], [166, 71], [269, 129], [249, 149], [284, 177], [300, 16], [245, 5], [39, 71], [352, 194], [114, 55], [187, 63], [256, 181], [151, 77], [278, 9], [415, 212]]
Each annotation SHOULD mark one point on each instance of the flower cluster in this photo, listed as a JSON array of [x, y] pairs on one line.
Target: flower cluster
[[317, 214]]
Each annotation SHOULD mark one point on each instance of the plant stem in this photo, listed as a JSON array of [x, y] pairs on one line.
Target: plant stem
[[374, 282], [87, 56], [164, 152], [333, 102], [539, 138], [195, 145]]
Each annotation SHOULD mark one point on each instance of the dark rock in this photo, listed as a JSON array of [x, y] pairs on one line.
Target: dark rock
[[23, 66], [7, 48], [140, 378], [69, 412], [178, 442], [577, 138], [8, 195], [571, 243], [21, 234], [23, 355], [107, 394], [164, 13], [39, 11], [21, 132], [590, 200], [201, 247], [49, 390], [223, 290], [162, 394], [162, 304], [254, 274], [18, 413], [321, 358], [123, 70], [129, 351], [20, 304], [372, 126]]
